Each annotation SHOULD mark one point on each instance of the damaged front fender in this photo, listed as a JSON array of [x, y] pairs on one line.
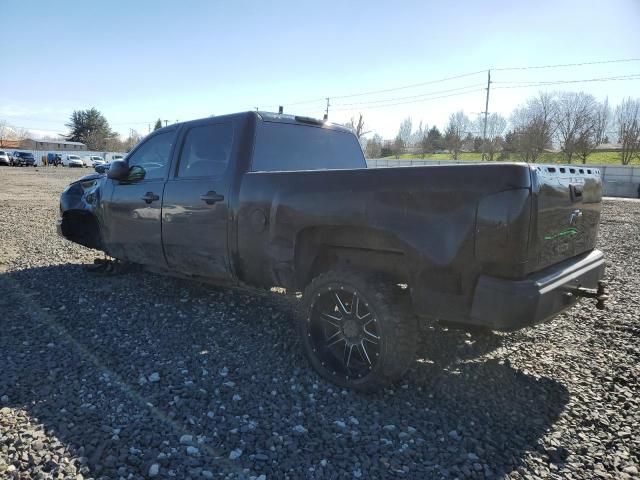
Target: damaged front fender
[[81, 213]]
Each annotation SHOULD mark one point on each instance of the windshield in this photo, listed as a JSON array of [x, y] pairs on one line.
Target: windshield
[[74, 157]]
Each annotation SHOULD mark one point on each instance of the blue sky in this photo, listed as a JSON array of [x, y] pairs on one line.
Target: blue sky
[[137, 61]]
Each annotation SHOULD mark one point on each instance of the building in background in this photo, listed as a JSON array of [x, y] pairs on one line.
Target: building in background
[[55, 145]]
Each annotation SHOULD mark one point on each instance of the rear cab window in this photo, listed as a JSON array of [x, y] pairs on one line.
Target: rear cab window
[[288, 146]]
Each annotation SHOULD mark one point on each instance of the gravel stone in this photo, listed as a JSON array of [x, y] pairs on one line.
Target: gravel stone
[[558, 400], [235, 454], [193, 451], [299, 429]]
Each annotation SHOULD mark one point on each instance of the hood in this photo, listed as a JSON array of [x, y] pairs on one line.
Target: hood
[[88, 178]]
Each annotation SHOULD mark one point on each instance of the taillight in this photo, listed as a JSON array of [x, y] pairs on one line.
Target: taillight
[[502, 227]]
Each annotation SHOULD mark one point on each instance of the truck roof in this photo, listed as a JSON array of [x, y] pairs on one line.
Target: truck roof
[[275, 117], [299, 119]]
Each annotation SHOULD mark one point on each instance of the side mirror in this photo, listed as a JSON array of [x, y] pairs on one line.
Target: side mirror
[[136, 173], [118, 170]]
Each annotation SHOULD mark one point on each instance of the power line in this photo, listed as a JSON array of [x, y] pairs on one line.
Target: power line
[[563, 82], [614, 77], [468, 74], [410, 96], [413, 101], [404, 87], [559, 65]]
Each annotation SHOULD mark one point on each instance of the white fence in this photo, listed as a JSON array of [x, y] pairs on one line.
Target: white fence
[[617, 180]]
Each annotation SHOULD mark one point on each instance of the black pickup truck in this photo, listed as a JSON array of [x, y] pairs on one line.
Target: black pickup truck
[[268, 200]]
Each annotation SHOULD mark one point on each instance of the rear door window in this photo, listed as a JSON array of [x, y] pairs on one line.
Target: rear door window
[[286, 146]]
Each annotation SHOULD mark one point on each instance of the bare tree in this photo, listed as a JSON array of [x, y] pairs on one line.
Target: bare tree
[[575, 117], [4, 131], [398, 146], [418, 134], [358, 126], [594, 131], [425, 144], [627, 121], [133, 139], [12, 134], [496, 125], [404, 132], [95, 140], [534, 126], [20, 134], [456, 132], [373, 149]]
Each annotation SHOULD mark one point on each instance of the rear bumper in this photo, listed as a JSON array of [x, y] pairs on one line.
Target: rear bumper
[[501, 304]]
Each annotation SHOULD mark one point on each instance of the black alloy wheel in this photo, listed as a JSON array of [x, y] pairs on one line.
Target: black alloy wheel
[[355, 330]]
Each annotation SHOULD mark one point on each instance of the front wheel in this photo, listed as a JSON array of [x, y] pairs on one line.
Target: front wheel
[[356, 331]]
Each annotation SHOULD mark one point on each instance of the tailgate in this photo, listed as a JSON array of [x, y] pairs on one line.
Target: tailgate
[[566, 213]]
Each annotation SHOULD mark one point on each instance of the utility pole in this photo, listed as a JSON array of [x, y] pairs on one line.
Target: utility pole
[[486, 112], [166, 122], [326, 113]]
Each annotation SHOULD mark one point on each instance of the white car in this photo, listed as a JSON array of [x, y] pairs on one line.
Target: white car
[[4, 158], [72, 161], [93, 160]]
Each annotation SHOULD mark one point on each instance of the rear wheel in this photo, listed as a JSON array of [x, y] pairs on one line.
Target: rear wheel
[[356, 330]]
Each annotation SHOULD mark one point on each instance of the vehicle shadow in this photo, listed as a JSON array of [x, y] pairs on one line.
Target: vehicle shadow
[[119, 368]]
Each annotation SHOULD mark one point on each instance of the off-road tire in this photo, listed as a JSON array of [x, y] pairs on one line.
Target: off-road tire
[[397, 327]]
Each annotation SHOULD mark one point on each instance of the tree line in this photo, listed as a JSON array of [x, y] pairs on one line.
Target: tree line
[[574, 122], [92, 128], [85, 126]]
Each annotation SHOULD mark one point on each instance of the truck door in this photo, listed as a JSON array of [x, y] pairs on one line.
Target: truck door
[[196, 198], [132, 223]]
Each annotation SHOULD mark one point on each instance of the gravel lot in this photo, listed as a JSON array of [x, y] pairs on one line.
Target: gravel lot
[[137, 375]]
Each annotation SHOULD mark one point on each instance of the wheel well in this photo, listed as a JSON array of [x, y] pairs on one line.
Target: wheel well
[[319, 250], [81, 227]]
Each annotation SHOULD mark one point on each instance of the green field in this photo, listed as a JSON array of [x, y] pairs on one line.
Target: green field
[[596, 158]]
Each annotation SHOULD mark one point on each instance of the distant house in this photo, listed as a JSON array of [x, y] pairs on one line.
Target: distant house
[[33, 144], [9, 144]]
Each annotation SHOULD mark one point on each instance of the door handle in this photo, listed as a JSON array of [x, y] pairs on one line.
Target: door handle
[[150, 197], [211, 197]]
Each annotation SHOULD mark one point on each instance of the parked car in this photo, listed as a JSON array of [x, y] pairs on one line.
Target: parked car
[[109, 157], [4, 158], [92, 160], [269, 200], [54, 159], [72, 161], [102, 168], [23, 159]]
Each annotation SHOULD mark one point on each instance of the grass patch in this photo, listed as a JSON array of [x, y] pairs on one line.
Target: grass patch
[[596, 158]]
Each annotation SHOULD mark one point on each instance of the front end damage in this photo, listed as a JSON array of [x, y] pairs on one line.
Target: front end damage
[[80, 211]]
